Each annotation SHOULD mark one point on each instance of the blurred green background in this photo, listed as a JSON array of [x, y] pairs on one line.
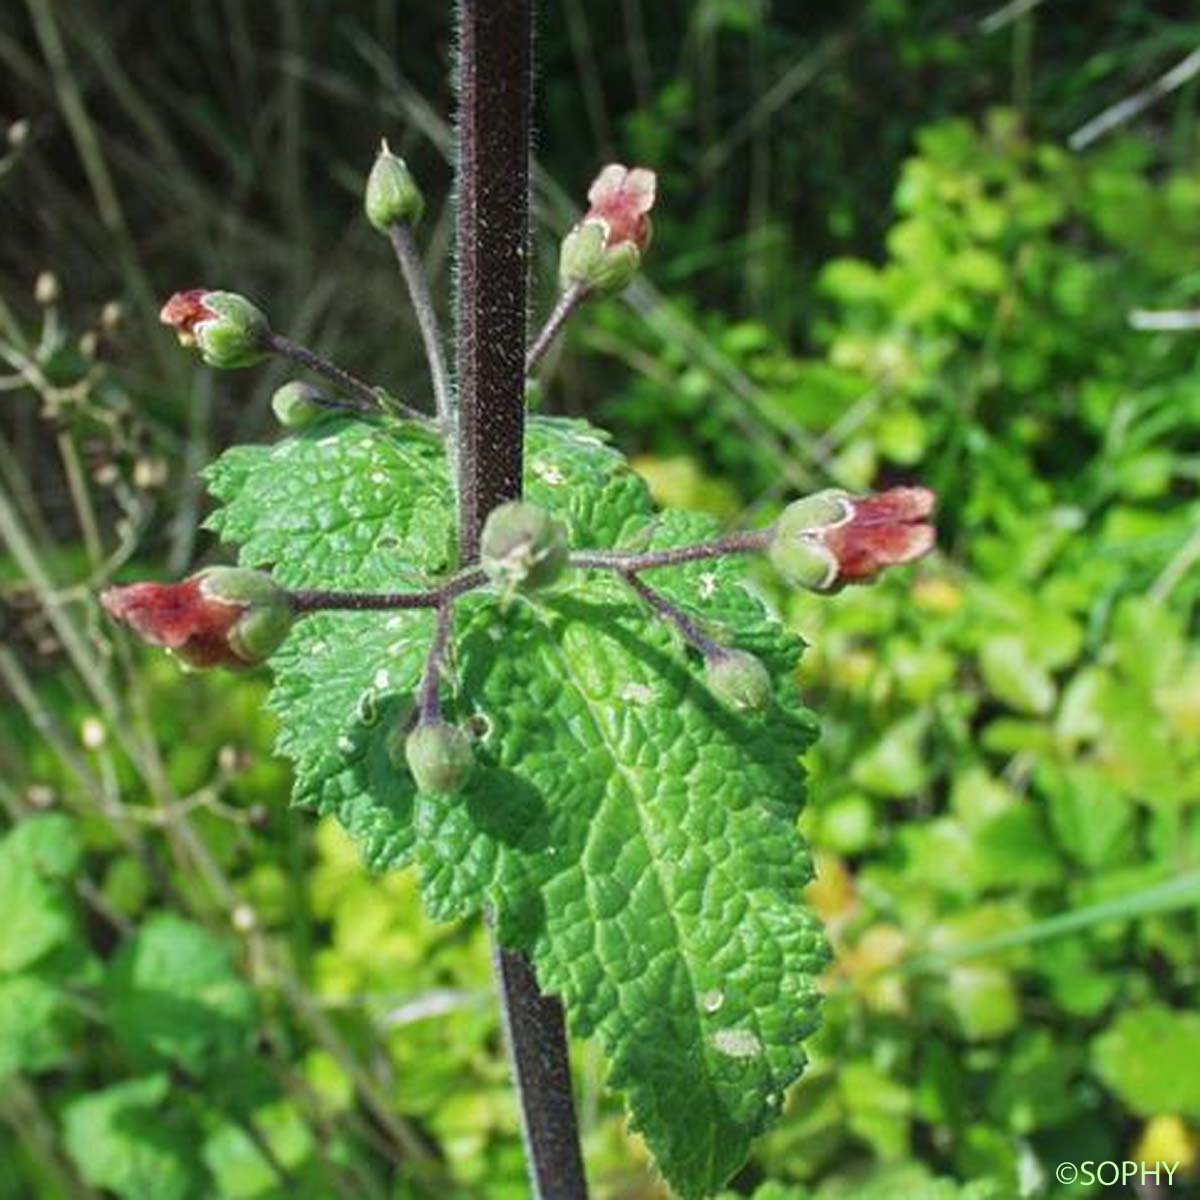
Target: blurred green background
[[889, 246]]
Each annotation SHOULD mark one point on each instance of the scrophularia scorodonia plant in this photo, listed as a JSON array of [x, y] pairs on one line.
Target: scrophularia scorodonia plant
[[590, 730]]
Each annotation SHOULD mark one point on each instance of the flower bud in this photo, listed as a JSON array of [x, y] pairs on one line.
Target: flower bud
[[46, 289], [392, 196], [297, 405], [523, 547], [222, 616], [832, 538], [604, 251], [439, 756], [587, 259], [229, 331], [739, 680]]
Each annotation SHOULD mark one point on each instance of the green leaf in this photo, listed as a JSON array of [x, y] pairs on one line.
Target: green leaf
[[345, 503], [175, 996], [1013, 675], [36, 911], [130, 1140], [640, 839], [637, 837], [36, 1025], [896, 765], [1094, 821], [984, 1000], [242, 1171], [1150, 1059]]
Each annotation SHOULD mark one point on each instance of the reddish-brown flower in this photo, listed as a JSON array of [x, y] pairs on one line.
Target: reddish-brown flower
[[623, 197], [226, 328], [828, 540], [184, 310], [886, 529], [222, 617]]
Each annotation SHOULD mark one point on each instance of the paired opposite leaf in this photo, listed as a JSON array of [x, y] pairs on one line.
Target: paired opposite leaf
[[631, 832]]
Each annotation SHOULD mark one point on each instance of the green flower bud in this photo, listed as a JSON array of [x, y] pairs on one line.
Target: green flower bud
[[798, 550], [523, 547], [739, 680], [392, 196], [226, 328], [440, 757], [296, 405], [266, 614], [587, 258]]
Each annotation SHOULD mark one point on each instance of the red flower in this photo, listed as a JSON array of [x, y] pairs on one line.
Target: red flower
[[885, 530], [222, 617], [832, 538], [183, 311], [622, 198]]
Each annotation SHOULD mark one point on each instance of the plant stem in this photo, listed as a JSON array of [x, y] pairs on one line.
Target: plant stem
[[752, 541], [415, 279], [495, 93], [309, 600], [344, 381], [676, 616], [537, 1045], [565, 307], [429, 700], [495, 89]]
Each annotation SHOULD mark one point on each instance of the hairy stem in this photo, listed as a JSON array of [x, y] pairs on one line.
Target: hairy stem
[[568, 303], [343, 380], [495, 89], [752, 541], [676, 616], [309, 600], [415, 279], [495, 93], [429, 698]]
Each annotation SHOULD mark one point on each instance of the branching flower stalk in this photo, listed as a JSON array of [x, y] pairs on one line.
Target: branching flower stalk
[[692, 633], [239, 617], [311, 600], [412, 268], [368, 397], [230, 332], [565, 307]]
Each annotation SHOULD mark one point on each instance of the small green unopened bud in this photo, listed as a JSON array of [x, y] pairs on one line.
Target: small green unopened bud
[[440, 757], [739, 680], [266, 617], [392, 196], [798, 550], [297, 405], [523, 547], [586, 258]]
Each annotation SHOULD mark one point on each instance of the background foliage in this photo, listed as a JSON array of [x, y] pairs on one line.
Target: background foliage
[[876, 260]]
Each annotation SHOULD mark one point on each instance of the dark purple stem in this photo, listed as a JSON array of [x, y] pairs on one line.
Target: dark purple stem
[[675, 616], [341, 379], [309, 600], [413, 270], [429, 699], [752, 541], [564, 309], [495, 89]]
